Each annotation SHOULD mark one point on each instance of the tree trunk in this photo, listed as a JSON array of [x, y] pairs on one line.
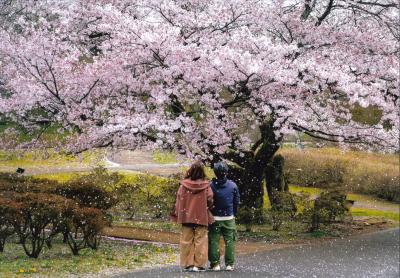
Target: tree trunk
[[250, 170], [249, 180], [2, 243], [275, 178]]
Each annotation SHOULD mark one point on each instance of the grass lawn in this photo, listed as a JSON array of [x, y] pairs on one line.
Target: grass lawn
[[111, 257], [369, 205], [48, 158], [375, 213], [163, 157]]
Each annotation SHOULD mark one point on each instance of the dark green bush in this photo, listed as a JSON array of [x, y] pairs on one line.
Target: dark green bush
[[250, 216], [329, 207], [283, 208]]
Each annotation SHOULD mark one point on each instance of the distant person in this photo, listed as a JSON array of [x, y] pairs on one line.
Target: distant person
[[226, 202], [193, 201]]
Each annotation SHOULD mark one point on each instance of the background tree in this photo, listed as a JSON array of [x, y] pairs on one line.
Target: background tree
[[214, 79]]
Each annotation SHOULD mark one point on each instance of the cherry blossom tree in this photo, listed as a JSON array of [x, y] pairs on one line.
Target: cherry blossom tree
[[210, 79]]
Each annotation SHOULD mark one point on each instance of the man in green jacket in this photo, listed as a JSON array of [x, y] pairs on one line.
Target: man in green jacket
[[226, 202]]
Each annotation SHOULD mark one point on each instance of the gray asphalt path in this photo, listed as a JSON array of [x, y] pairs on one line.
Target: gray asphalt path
[[372, 255]]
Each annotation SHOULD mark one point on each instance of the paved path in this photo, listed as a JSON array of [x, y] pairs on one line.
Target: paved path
[[141, 161], [373, 255]]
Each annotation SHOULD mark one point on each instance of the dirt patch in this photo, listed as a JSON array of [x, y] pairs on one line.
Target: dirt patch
[[142, 234], [242, 247], [359, 226]]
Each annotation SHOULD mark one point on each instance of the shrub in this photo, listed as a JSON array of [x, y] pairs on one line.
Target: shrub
[[38, 211], [87, 193], [313, 169], [148, 196], [37, 217], [102, 178], [23, 184], [164, 202], [250, 216], [304, 206], [9, 217], [360, 172], [329, 206], [84, 228], [283, 208], [379, 180], [130, 199]]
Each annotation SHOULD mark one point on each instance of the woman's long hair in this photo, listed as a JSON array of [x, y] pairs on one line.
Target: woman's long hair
[[196, 172]]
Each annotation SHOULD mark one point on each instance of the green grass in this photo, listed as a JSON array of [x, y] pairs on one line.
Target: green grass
[[375, 213], [163, 157], [59, 262], [388, 210], [48, 158], [309, 190], [60, 177]]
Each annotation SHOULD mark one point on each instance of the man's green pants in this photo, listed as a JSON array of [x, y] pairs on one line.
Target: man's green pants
[[226, 228]]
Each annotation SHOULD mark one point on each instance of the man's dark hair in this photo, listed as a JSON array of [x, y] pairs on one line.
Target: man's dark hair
[[196, 172], [220, 169]]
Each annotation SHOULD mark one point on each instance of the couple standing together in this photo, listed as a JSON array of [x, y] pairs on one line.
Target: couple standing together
[[207, 212]]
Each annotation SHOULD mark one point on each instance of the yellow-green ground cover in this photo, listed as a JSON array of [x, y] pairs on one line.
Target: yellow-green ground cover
[[49, 158], [365, 205]]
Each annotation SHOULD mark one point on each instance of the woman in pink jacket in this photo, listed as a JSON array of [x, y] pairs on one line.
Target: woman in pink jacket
[[192, 209]]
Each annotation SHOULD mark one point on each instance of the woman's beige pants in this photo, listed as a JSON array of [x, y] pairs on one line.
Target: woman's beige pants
[[194, 246]]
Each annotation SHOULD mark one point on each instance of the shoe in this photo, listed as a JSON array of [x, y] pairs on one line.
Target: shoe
[[216, 267], [229, 268], [188, 269], [198, 269]]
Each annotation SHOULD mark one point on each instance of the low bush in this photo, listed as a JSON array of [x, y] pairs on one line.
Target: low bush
[[250, 217], [304, 206], [87, 193], [36, 218], [38, 211], [147, 196], [10, 216], [354, 171], [283, 208], [328, 207], [130, 199], [22, 184], [84, 228], [91, 190]]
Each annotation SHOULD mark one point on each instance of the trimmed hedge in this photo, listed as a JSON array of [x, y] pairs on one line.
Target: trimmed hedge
[[36, 211], [36, 218], [359, 172]]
